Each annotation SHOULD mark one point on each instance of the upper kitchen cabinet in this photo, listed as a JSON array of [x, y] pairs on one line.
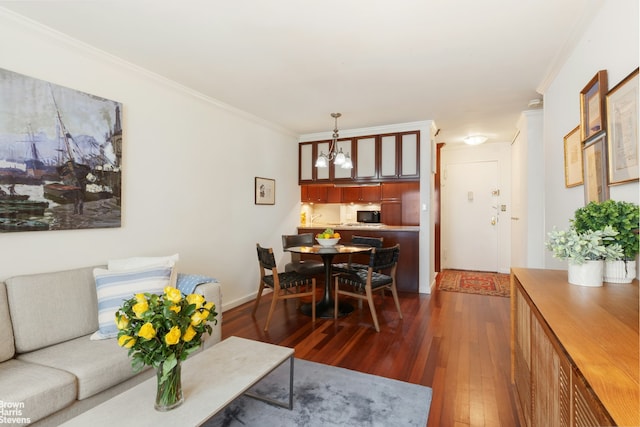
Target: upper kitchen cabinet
[[338, 172], [400, 156], [376, 158], [366, 158], [308, 152]]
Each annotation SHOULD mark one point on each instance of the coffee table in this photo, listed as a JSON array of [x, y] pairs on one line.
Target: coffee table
[[211, 380]]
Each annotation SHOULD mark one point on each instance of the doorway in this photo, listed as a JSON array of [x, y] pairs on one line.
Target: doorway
[[470, 209]]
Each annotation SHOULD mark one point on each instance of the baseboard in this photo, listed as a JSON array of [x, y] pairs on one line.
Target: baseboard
[[242, 300]]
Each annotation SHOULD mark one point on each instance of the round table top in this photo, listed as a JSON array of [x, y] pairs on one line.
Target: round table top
[[337, 249]]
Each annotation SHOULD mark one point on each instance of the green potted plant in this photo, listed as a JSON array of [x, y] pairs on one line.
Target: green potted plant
[[623, 217], [585, 252]]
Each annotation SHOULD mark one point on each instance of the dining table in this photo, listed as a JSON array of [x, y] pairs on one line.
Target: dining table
[[325, 307]]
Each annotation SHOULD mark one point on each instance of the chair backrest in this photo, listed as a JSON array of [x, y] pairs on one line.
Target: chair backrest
[[383, 258], [266, 259], [375, 242], [291, 240]]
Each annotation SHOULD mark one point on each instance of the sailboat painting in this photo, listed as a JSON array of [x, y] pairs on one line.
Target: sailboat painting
[[60, 157]]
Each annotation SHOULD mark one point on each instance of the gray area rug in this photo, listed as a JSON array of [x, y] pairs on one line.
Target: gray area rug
[[329, 396]]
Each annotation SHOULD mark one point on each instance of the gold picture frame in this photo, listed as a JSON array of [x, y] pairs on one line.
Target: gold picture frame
[[265, 191], [594, 158], [573, 175], [622, 128], [592, 106]]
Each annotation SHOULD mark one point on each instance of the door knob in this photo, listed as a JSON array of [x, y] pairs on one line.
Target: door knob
[[493, 220]]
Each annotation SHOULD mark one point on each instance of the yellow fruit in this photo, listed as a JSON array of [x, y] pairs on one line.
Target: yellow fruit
[[336, 235]]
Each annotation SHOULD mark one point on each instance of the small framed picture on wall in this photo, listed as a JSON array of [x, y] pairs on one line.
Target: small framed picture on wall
[[573, 158], [594, 158], [622, 127], [265, 191], [592, 106]]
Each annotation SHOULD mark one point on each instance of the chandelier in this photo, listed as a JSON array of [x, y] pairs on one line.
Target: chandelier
[[339, 158]]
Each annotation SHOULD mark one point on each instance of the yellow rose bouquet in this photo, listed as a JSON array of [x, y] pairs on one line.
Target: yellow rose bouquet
[[161, 331]]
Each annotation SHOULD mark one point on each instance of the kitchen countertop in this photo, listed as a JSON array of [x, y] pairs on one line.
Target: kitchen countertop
[[372, 227]]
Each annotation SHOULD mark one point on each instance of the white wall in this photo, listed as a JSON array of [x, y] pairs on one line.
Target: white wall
[[610, 43], [188, 177]]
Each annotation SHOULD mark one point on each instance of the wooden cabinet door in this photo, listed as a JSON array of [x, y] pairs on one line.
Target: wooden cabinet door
[[370, 194], [305, 162], [545, 378], [366, 160], [338, 172], [388, 156], [521, 353], [322, 174], [409, 155], [313, 193]]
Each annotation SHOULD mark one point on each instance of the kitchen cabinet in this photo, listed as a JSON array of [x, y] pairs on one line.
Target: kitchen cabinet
[[574, 351], [376, 158], [400, 156], [366, 158], [400, 203], [361, 194], [320, 194]]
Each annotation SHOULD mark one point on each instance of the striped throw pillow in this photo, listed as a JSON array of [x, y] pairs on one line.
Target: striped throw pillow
[[115, 287]]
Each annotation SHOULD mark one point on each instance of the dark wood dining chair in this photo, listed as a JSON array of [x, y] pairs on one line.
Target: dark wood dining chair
[[345, 267], [285, 285], [361, 284], [310, 267]]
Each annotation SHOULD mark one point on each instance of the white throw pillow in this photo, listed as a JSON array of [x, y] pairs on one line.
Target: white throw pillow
[[142, 262], [115, 287]]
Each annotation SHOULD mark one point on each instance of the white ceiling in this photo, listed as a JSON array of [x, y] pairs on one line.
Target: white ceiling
[[470, 65]]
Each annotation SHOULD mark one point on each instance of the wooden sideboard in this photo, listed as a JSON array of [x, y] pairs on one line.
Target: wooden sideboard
[[574, 351]]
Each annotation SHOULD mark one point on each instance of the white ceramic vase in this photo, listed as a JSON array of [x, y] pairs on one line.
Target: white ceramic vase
[[619, 271], [588, 274]]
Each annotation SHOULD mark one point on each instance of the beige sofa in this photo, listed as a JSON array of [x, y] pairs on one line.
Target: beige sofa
[[50, 371]]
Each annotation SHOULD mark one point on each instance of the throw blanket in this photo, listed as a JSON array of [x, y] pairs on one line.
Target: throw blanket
[[187, 283]]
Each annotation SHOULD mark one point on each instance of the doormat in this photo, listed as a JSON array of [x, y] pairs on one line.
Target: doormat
[[474, 282], [325, 396]]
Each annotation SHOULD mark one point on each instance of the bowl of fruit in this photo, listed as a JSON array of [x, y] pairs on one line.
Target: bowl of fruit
[[328, 238]]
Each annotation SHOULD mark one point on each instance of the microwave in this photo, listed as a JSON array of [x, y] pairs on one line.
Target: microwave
[[368, 216]]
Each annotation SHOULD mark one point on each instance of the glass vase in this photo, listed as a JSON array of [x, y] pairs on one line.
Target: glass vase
[[169, 391]]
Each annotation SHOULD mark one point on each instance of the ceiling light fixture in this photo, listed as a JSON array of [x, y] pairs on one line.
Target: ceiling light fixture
[[339, 158], [475, 139]]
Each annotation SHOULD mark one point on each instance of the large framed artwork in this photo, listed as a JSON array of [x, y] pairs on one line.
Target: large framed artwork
[[594, 156], [592, 106], [265, 191], [622, 127], [573, 159], [60, 157]]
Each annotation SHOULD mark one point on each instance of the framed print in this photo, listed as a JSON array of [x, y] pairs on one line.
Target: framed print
[[622, 128], [592, 106], [594, 165], [265, 190], [573, 158]]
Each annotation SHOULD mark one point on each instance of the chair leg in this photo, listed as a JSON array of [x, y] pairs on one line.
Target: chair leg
[[271, 310], [372, 307], [394, 292], [313, 300], [255, 306], [335, 299]]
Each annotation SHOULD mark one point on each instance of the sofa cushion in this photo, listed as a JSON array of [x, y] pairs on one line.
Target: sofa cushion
[[146, 261], [115, 287], [49, 308], [97, 365], [7, 349], [42, 390]]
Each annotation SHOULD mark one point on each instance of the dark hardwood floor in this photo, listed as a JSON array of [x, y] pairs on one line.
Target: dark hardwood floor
[[455, 343]]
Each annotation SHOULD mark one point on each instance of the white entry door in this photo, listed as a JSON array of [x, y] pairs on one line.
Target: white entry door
[[469, 218]]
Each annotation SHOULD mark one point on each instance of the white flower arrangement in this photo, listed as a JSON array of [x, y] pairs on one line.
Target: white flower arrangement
[[581, 247]]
